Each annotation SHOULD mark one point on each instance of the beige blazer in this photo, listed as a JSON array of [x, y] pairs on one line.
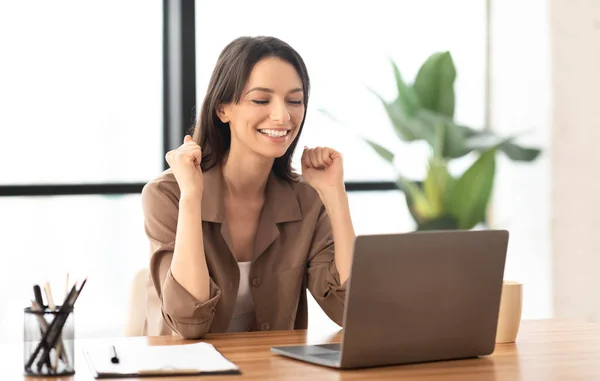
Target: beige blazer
[[294, 251]]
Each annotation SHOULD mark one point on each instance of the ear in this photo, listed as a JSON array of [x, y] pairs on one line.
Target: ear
[[223, 113]]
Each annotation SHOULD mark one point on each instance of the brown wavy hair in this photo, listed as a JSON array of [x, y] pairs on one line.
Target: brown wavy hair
[[232, 70]]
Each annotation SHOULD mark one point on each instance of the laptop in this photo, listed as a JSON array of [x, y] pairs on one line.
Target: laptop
[[417, 297]]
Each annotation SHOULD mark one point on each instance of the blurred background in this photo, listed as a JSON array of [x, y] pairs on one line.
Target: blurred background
[[95, 92]]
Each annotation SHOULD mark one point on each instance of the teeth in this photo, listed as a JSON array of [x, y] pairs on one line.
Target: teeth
[[275, 133]]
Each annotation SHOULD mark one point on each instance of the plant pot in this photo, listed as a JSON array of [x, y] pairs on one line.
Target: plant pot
[[509, 318]]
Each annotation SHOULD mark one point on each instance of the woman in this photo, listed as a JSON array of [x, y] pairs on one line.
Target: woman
[[236, 237]]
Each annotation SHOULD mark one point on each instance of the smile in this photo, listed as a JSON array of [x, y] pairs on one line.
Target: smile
[[275, 133]]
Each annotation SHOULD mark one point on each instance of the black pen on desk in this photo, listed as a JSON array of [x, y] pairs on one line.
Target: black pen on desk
[[113, 355]]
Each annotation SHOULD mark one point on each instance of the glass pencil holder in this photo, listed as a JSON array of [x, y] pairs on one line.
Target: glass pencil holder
[[48, 342]]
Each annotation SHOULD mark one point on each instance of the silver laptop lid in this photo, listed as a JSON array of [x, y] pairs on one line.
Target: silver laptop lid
[[423, 296]]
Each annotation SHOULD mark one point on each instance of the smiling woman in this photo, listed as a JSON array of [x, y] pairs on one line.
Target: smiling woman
[[230, 217]]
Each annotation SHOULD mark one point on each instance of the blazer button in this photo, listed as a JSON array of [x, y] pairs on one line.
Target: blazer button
[[256, 282], [265, 327]]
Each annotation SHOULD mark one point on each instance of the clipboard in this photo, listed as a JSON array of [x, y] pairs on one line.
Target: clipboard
[[144, 360]]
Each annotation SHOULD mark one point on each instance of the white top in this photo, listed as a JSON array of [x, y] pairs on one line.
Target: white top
[[243, 313]]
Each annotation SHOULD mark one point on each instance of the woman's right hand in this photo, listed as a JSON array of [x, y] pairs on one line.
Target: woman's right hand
[[185, 163]]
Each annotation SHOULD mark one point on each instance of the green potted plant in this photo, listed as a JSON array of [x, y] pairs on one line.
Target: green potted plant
[[424, 111]]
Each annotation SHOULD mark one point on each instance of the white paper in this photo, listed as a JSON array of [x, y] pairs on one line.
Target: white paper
[[133, 359]]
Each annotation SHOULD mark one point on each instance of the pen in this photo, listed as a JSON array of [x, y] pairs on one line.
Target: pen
[[113, 355], [59, 347], [42, 323], [37, 292]]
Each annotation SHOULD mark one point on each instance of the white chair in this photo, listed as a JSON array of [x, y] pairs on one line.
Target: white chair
[[136, 312]]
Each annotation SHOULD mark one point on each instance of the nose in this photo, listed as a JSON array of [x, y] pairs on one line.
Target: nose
[[280, 113]]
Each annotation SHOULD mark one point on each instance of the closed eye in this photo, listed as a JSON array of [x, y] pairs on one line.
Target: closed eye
[[264, 102]]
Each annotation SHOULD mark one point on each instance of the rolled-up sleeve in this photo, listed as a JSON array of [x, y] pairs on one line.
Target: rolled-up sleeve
[[323, 277], [184, 314]]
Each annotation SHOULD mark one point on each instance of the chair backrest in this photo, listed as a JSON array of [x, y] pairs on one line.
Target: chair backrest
[[136, 311]]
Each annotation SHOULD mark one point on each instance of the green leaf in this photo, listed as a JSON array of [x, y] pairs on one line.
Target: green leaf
[[439, 139], [398, 119], [518, 153], [407, 129], [471, 192], [436, 185], [418, 204], [409, 201], [454, 137], [434, 84], [467, 132], [386, 154], [486, 140], [407, 99], [402, 109], [455, 142]]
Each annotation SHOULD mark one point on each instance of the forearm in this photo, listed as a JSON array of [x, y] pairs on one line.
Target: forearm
[[189, 262], [338, 209]]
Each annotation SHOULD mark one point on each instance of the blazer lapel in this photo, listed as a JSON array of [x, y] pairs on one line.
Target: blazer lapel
[[281, 205], [213, 203]]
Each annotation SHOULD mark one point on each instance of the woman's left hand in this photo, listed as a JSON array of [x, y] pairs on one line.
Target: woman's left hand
[[322, 168]]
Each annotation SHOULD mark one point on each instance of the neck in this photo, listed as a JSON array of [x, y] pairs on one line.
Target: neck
[[246, 175]]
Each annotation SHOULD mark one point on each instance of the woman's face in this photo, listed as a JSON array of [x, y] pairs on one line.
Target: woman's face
[[267, 119]]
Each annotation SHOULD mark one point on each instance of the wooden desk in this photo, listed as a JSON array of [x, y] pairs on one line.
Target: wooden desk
[[545, 350]]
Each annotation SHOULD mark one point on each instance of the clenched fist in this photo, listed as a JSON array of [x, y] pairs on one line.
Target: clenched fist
[[322, 168], [185, 163]]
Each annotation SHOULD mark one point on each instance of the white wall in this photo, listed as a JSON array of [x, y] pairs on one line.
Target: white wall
[[576, 133], [520, 101]]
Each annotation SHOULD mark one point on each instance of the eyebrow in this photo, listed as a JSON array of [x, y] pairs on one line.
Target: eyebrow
[[267, 90]]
